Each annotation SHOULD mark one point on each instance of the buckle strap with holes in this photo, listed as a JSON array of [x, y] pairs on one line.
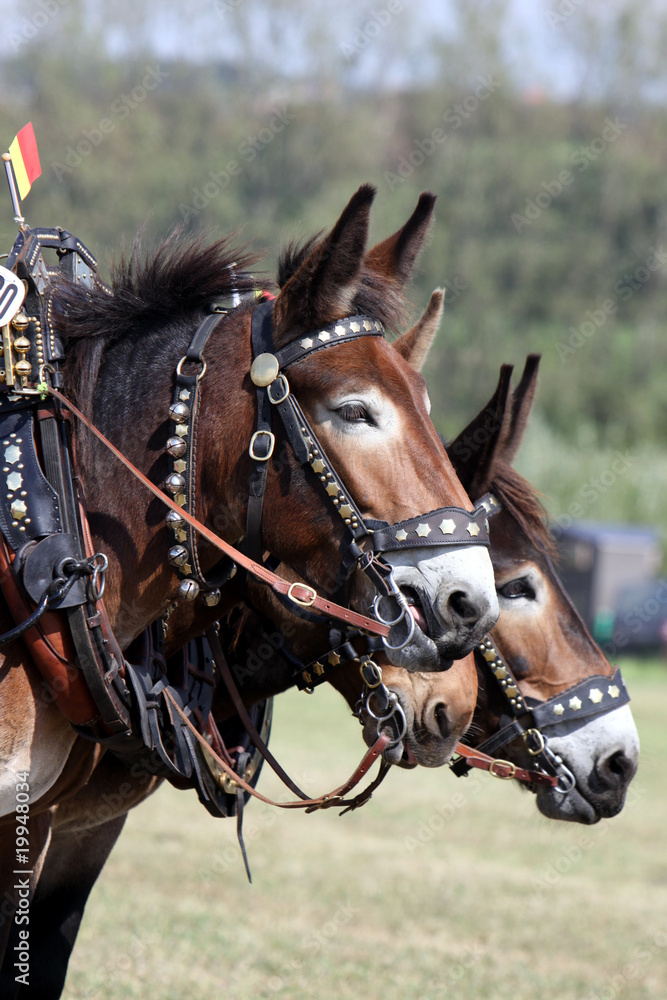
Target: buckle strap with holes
[[503, 769]]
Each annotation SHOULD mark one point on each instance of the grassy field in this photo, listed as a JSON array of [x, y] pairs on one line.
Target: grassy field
[[439, 888]]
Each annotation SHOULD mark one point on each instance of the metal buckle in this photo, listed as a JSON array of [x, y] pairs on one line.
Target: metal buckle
[[502, 763], [251, 447], [375, 670], [296, 600], [285, 386], [536, 735], [179, 367]]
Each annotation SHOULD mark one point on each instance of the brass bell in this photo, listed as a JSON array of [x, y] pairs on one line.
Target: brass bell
[[22, 345], [20, 321], [176, 447], [188, 589], [23, 368]]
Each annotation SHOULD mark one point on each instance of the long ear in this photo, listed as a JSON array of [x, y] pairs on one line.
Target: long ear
[[475, 450], [396, 256], [415, 344], [522, 404], [324, 286]]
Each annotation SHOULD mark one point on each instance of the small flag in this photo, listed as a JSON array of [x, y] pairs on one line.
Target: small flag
[[25, 159]]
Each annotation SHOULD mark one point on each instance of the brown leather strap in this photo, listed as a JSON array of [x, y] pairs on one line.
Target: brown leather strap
[[242, 712], [335, 798], [299, 593], [504, 769]]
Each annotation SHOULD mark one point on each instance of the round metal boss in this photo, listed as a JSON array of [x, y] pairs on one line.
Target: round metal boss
[[264, 369]]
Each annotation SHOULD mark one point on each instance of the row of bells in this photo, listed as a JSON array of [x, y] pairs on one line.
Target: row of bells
[[175, 483], [21, 345]]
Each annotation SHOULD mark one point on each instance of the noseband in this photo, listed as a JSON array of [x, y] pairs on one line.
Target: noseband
[[525, 718]]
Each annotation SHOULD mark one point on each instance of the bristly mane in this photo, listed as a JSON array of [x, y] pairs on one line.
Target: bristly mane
[[522, 502], [377, 295], [181, 277]]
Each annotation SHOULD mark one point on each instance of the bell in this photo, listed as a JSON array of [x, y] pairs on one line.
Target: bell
[[188, 589], [178, 555], [174, 520], [176, 447], [211, 597], [20, 321], [23, 368], [179, 412], [174, 483], [22, 345]]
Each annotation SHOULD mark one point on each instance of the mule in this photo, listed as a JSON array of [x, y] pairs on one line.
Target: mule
[[366, 404]]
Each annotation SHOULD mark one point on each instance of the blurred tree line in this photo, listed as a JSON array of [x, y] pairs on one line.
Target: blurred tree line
[[551, 232]]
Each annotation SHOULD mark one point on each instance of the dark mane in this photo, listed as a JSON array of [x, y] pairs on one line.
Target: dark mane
[[522, 502], [177, 279], [377, 296]]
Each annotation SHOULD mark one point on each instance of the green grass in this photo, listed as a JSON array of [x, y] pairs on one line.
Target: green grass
[[439, 888]]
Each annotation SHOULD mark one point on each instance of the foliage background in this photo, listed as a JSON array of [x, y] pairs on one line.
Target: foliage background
[[309, 101]]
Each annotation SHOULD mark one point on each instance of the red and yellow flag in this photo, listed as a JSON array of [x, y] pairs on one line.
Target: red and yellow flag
[[25, 159]]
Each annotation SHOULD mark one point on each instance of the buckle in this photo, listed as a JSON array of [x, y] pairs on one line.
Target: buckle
[[303, 603], [502, 763], [540, 743], [285, 387], [251, 448]]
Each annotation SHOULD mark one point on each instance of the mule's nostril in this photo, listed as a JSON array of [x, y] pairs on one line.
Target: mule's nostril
[[442, 720], [464, 609], [619, 765]]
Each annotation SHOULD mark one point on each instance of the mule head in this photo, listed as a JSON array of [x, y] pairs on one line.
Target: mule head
[[539, 632], [367, 405]]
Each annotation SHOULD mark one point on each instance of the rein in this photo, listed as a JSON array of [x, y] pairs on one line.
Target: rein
[[299, 593]]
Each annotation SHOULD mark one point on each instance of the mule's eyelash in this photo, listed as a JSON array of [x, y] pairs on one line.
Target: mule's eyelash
[[354, 413], [517, 588]]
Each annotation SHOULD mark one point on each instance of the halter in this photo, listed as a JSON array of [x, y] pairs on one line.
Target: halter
[[442, 527], [526, 717]]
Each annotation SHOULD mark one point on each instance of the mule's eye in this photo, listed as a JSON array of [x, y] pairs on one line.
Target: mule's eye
[[518, 588], [354, 413]]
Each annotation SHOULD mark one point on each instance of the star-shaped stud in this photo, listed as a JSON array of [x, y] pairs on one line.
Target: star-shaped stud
[[318, 668], [306, 342], [367, 325], [489, 655], [377, 324], [180, 465], [184, 394], [317, 465], [488, 507], [473, 528], [574, 703], [324, 336], [340, 330], [332, 489], [355, 328], [558, 709], [613, 691], [423, 530], [595, 695], [334, 659], [345, 510], [511, 690], [447, 526], [401, 535]]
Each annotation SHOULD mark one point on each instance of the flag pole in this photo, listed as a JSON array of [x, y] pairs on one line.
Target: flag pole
[[13, 193]]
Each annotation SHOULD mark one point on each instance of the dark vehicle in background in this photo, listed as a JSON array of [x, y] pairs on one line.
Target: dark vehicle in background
[[610, 572]]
